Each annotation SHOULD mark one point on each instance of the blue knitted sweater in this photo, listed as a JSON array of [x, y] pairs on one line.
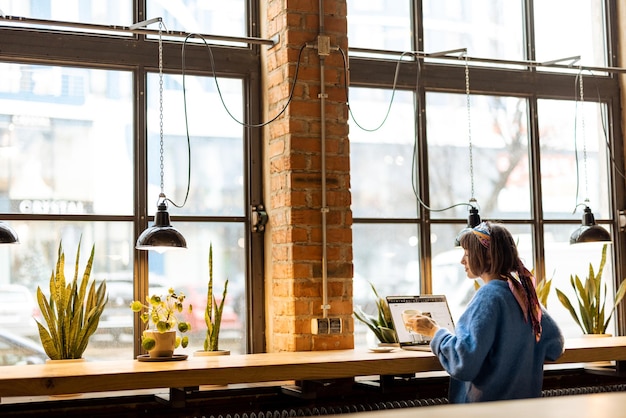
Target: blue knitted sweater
[[493, 354]]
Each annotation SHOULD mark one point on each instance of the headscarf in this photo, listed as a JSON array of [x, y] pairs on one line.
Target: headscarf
[[522, 285]]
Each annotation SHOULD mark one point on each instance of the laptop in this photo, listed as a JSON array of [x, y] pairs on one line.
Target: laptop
[[435, 306]]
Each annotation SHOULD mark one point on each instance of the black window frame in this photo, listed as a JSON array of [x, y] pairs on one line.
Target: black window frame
[[375, 69], [137, 53]]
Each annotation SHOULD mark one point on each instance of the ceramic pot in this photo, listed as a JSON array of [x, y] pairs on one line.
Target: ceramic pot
[[165, 342]]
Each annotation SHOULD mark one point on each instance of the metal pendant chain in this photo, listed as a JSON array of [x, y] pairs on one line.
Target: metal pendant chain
[[469, 127], [582, 126], [161, 166]]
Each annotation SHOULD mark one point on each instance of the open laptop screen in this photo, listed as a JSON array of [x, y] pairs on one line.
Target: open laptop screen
[[434, 305]]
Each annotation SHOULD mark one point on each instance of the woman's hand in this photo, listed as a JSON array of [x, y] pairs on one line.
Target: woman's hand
[[424, 325]]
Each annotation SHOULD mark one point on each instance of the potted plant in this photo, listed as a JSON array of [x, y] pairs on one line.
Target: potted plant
[[591, 297], [72, 311], [381, 324], [213, 314], [162, 312], [542, 287]]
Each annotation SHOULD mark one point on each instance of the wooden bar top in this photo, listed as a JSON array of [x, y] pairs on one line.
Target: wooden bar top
[[102, 376], [579, 406]]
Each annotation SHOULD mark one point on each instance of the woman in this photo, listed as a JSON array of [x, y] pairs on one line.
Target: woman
[[504, 337]]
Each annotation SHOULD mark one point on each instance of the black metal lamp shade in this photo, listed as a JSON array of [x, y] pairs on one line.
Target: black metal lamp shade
[[162, 235], [8, 235], [589, 231]]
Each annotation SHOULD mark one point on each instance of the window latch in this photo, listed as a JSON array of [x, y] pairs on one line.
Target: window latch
[[258, 218]]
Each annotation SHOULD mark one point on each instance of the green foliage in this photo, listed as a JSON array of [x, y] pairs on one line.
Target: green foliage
[[381, 324], [542, 287], [213, 311], [591, 297], [72, 311], [163, 313]]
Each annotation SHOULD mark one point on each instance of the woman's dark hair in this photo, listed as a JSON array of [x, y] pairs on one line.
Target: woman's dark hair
[[500, 258], [491, 249]]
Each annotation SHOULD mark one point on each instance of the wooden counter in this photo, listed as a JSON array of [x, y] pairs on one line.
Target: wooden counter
[[579, 406], [102, 376]]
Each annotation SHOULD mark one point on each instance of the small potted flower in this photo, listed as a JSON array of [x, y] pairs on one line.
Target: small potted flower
[[161, 314]]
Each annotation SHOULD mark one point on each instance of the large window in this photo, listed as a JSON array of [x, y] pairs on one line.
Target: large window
[[81, 161], [80, 147], [524, 143]]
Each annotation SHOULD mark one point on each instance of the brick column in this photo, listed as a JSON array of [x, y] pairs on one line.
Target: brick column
[[294, 189]]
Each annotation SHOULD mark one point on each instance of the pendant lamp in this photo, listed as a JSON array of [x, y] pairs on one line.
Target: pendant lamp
[[8, 235], [588, 231], [162, 235]]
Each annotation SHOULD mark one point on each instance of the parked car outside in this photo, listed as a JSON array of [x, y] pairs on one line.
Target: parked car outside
[[18, 350], [18, 310]]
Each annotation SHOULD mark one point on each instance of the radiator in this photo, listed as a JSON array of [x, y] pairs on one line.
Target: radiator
[[334, 409], [584, 390], [410, 403]]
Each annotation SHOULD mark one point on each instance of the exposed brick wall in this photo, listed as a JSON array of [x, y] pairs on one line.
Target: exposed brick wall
[[293, 182]]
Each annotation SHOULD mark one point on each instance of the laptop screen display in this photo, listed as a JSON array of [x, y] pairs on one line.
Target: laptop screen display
[[401, 307]]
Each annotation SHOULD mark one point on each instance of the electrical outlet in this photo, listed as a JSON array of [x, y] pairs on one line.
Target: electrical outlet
[[322, 326], [334, 326], [319, 326]]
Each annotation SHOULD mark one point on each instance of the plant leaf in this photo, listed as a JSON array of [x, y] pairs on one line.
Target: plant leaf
[[71, 313], [568, 305]]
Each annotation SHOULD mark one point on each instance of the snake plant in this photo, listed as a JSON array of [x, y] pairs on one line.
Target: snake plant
[[213, 311], [72, 311], [591, 297], [381, 324]]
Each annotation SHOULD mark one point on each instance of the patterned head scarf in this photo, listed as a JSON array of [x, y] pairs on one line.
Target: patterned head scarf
[[521, 285], [483, 234]]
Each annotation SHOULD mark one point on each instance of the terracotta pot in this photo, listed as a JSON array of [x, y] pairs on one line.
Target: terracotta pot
[[165, 342]]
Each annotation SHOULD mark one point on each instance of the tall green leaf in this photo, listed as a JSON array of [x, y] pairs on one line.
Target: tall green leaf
[[72, 312], [213, 311], [381, 324], [591, 296]]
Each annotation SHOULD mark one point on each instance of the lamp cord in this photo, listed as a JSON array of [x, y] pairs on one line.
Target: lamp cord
[[393, 89], [219, 91], [472, 202]]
